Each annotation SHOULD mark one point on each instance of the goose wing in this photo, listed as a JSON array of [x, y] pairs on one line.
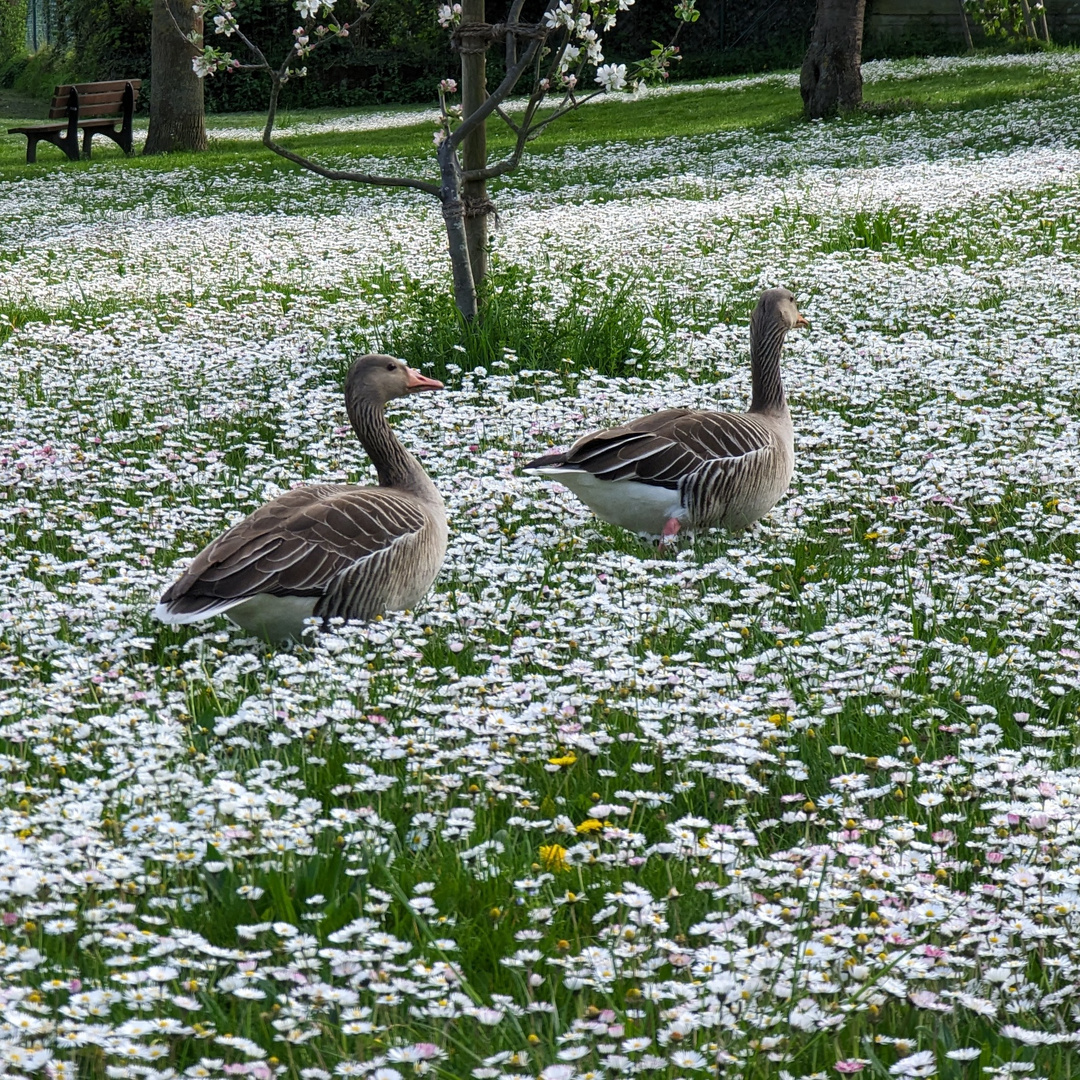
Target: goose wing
[[662, 448], [298, 544]]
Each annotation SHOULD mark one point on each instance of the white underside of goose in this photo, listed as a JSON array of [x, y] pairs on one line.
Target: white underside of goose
[[274, 617], [630, 504]]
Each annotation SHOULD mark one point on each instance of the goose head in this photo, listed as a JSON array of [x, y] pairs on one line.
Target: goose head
[[377, 379], [777, 307]]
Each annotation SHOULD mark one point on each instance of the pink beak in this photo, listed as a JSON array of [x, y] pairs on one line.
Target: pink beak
[[418, 382], [800, 321]]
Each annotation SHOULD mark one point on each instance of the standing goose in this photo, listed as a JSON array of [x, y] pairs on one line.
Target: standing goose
[[686, 467], [328, 549]]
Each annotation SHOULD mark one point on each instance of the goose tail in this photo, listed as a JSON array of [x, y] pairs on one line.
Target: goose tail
[[545, 463], [177, 612]]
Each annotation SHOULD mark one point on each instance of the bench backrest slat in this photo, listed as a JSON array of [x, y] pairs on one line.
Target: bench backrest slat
[[105, 109], [95, 99], [99, 87]]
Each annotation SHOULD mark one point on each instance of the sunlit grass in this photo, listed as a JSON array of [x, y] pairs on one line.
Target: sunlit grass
[[769, 105]]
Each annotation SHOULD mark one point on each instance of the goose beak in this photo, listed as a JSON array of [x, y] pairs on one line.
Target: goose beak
[[417, 382], [800, 321]]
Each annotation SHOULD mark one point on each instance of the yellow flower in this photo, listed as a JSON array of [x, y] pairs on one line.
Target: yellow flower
[[565, 760], [590, 825], [553, 856]]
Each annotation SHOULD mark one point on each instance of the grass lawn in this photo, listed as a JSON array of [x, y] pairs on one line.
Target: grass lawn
[[796, 803], [763, 103]]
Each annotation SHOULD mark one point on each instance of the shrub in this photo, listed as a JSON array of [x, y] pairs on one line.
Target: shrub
[[11, 69], [98, 39], [37, 75], [12, 30]]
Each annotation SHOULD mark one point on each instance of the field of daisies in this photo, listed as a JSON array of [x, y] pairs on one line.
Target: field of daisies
[[793, 804]]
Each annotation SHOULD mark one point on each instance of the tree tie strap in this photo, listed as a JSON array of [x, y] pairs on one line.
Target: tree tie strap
[[477, 37], [474, 37], [473, 207]]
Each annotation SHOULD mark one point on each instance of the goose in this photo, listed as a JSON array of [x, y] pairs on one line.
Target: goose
[[328, 550], [687, 467]]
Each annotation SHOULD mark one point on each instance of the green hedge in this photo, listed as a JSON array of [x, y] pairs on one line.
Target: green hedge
[[105, 39], [399, 54]]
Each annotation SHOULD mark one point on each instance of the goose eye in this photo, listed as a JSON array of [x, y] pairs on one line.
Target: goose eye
[[391, 367]]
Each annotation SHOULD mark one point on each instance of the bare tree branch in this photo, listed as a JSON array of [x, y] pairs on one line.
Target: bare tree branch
[[172, 18], [525, 136], [511, 37], [347, 174], [502, 115], [575, 103], [277, 78], [255, 50], [504, 89]]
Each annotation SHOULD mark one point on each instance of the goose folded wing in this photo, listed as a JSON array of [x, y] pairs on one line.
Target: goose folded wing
[[662, 448], [296, 545]]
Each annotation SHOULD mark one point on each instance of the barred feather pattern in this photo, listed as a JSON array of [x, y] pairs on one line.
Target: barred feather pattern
[[733, 492], [395, 577], [359, 551], [767, 334]]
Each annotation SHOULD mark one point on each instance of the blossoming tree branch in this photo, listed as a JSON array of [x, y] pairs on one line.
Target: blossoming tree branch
[[558, 61]]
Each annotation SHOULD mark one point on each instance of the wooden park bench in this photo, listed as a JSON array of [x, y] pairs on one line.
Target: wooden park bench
[[101, 108]]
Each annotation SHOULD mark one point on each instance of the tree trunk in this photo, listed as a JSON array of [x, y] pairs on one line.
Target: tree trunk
[[1029, 22], [831, 77], [474, 147], [456, 237], [967, 27], [177, 119]]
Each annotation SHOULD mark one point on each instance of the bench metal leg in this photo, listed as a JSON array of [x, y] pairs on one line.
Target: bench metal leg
[[121, 136], [70, 146]]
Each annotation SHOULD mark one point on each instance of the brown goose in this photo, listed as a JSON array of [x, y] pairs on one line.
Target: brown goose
[[686, 467], [328, 549]]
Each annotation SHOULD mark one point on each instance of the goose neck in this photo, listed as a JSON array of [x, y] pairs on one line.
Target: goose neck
[[766, 344], [394, 464]]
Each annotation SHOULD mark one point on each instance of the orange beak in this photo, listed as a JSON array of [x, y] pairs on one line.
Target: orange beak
[[417, 382], [800, 321]]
